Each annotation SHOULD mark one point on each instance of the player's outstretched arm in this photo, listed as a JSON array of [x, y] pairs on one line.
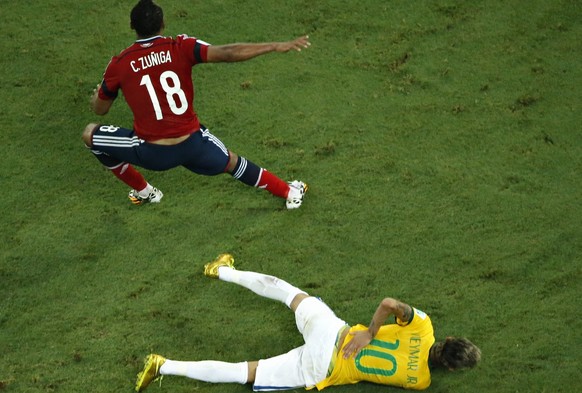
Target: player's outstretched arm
[[241, 52], [387, 307]]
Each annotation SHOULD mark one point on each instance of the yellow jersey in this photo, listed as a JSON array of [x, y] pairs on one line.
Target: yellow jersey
[[397, 356]]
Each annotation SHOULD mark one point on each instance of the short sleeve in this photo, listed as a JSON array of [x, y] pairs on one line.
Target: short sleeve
[[194, 48], [110, 85], [417, 315]]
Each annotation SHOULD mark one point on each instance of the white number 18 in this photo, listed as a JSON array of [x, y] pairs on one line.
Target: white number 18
[[171, 91]]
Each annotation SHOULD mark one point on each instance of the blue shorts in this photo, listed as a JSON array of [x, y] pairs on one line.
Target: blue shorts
[[202, 152]]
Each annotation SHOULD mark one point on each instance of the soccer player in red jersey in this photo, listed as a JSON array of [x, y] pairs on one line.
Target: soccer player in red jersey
[[155, 76]]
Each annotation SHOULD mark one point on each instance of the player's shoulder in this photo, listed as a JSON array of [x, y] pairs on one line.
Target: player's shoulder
[[183, 38], [419, 314], [417, 317], [191, 40], [420, 318]]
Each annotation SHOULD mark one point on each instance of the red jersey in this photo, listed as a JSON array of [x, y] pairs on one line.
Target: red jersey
[[155, 76]]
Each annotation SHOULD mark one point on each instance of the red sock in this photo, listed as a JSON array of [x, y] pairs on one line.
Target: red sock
[[130, 176], [273, 184]]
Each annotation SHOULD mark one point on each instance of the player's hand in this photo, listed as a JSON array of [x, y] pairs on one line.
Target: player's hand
[[94, 95], [360, 339], [297, 44]]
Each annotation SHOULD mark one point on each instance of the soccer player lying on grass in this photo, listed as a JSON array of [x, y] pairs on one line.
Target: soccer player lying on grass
[[155, 76], [400, 354]]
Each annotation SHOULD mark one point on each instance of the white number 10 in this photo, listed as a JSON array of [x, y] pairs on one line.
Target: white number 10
[[171, 91]]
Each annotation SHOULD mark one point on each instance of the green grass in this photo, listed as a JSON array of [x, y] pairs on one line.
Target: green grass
[[442, 143]]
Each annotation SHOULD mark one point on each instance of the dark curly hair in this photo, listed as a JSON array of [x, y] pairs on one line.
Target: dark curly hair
[[147, 18], [458, 353]]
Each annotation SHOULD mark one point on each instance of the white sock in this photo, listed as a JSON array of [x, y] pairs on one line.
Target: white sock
[[207, 371], [261, 284], [146, 191]]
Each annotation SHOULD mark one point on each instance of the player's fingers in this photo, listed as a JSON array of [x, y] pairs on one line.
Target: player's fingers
[[302, 42], [348, 351]]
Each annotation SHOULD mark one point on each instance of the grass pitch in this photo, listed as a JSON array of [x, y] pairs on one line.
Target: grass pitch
[[442, 143]]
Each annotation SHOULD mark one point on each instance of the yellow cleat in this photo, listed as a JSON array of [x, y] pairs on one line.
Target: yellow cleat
[[211, 269], [150, 372]]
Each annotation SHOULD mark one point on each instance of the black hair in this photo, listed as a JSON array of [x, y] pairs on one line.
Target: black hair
[[460, 353], [147, 18]]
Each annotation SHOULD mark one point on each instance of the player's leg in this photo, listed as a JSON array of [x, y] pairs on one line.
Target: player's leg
[[141, 191], [321, 329], [251, 174], [208, 370], [211, 371], [314, 319], [211, 157], [281, 372], [262, 284]]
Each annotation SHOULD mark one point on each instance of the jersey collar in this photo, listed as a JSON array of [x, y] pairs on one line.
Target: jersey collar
[[148, 39]]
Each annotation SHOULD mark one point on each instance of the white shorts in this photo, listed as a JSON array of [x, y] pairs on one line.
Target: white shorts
[[306, 365]]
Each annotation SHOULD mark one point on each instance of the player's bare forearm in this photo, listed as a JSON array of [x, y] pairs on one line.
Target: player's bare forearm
[[391, 306], [241, 52], [361, 338], [386, 307], [404, 312], [99, 106], [238, 52]]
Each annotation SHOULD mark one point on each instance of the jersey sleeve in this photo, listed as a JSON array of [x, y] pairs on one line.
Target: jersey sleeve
[[417, 316], [110, 85], [196, 50]]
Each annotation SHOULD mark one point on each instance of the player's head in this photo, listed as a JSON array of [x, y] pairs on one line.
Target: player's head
[[455, 353], [147, 18]]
